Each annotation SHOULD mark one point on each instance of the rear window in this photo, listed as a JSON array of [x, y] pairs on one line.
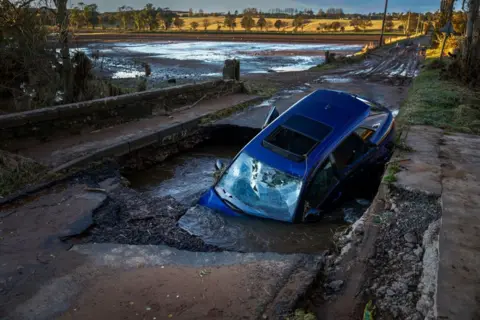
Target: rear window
[[297, 136]]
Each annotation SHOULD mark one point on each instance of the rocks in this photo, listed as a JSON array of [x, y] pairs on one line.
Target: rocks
[[410, 238], [418, 252], [20, 269], [396, 264], [335, 285]]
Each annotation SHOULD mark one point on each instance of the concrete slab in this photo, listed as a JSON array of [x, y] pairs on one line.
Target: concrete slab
[[129, 282], [421, 170], [458, 293]]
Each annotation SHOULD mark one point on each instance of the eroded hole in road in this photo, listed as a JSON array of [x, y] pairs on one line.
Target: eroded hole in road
[[186, 176]]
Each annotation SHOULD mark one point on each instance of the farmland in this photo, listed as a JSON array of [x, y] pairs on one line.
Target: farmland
[[309, 27]]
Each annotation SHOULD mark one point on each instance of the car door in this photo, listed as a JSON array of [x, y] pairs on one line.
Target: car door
[[351, 156], [321, 186]]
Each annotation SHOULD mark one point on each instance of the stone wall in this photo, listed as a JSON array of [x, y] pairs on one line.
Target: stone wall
[[41, 124]]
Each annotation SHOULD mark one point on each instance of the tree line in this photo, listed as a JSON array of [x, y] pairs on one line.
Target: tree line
[[151, 18]]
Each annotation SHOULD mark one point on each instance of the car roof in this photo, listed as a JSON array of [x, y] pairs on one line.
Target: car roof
[[341, 111]]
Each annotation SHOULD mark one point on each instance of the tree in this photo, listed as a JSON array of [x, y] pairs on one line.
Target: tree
[[365, 23], [336, 25], [27, 77], [149, 17], [206, 23], [91, 15], [356, 23], [389, 23], [459, 21], [261, 22], [321, 13], [278, 24], [179, 23], [342, 28], [67, 76], [194, 25], [200, 13], [76, 18], [230, 21], [299, 22], [166, 17], [190, 12], [125, 15], [401, 28], [247, 22], [389, 26]]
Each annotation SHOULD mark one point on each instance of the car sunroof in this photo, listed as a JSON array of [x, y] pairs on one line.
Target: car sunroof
[[297, 137]]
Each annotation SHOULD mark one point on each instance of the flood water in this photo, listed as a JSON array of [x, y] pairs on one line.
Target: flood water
[[197, 60], [186, 176]]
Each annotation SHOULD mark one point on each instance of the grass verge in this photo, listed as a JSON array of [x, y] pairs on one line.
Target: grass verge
[[439, 102], [17, 172]]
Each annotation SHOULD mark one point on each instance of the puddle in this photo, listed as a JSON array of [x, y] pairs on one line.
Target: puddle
[[186, 176], [251, 234], [335, 79]]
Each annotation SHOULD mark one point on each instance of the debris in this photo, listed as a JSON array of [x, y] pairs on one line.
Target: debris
[[204, 272], [95, 189], [20, 269], [335, 285], [410, 237]]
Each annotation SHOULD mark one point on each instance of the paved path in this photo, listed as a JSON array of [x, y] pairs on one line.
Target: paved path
[[448, 166], [61, 151], [458, 292]]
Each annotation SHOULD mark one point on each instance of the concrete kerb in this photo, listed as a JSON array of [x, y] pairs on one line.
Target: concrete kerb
[[128, 146]]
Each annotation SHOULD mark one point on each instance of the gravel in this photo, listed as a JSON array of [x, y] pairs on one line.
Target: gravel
[[399, 275]]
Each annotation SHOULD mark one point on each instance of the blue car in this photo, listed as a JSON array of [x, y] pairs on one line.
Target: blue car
[[303, 160]]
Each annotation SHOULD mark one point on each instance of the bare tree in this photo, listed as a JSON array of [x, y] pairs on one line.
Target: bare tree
[[62, 24], [206, 23]]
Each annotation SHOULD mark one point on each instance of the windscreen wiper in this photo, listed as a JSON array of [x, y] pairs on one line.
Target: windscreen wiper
[[232, 206]]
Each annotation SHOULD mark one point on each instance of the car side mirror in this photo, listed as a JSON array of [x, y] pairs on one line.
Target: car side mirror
[[219, 165], [271, 115]]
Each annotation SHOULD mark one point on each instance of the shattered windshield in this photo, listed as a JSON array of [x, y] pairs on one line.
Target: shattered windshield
[[262, 187]]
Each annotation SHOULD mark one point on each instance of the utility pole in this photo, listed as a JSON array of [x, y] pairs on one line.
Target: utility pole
[[407, 29], [383, 23]]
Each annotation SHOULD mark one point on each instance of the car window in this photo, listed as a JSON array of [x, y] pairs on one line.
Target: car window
[[364, 133], [351, 149], [322, 181]]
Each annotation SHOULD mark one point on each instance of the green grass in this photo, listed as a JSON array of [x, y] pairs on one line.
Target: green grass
[[17, 172], [392, 170], [436, 101]]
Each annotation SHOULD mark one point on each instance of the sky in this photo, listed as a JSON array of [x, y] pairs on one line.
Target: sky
[[349, 6]]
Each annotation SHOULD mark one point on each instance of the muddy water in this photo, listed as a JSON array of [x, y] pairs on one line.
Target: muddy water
[[186, 176]]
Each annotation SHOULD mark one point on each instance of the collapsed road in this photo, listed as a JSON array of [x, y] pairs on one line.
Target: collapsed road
[[91, 241]]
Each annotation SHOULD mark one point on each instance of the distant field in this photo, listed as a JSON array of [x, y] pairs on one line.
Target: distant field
[[311, 27]]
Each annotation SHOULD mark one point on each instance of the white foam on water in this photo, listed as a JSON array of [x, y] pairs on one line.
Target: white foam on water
[[127, 74]]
